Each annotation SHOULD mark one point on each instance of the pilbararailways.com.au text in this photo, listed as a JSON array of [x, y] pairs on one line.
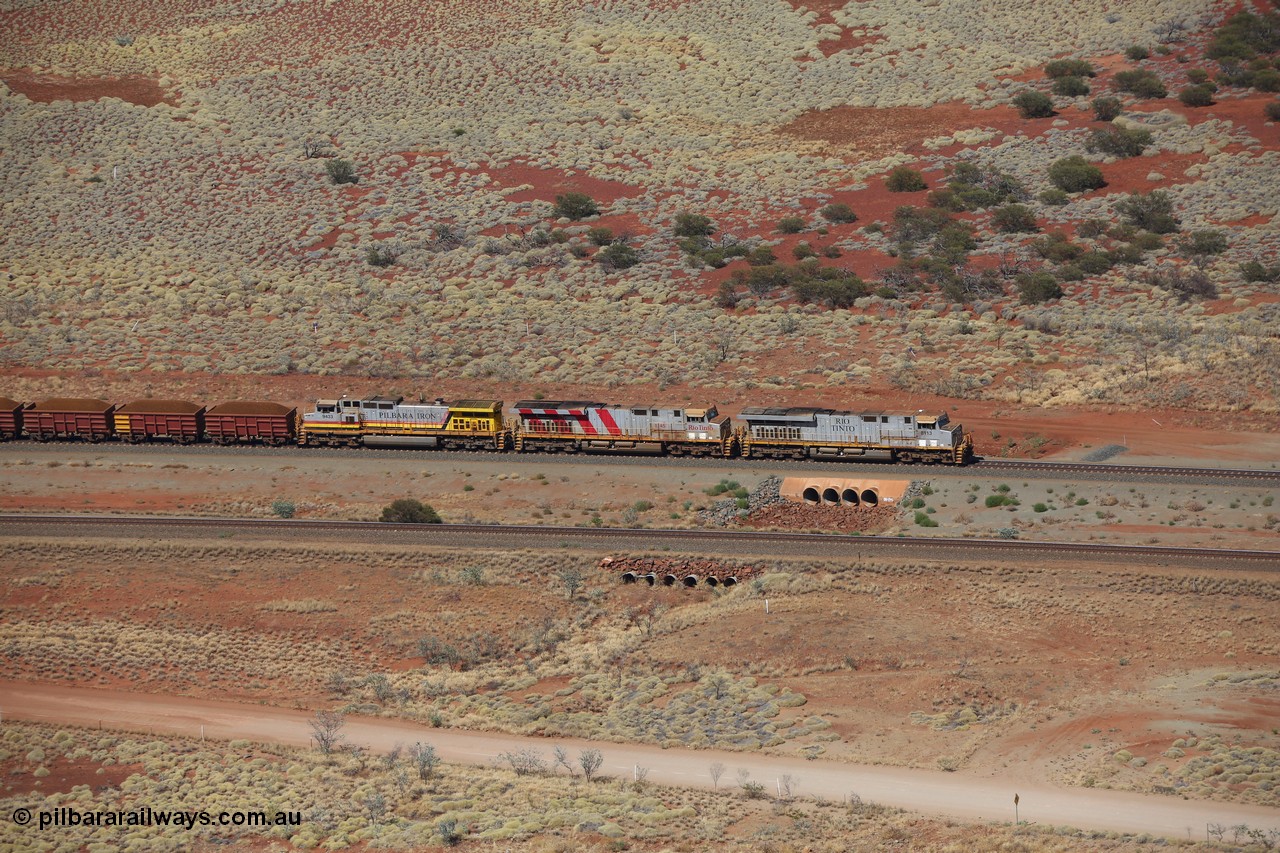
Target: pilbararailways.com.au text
[[64, 816]]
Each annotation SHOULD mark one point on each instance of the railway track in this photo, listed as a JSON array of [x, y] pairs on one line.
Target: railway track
[[982, 467], [717, 542]]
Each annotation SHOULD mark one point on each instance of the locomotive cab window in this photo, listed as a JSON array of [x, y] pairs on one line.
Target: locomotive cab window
[[386, 406], [676, 414], [884, 419], [653, 413], [868, 419]]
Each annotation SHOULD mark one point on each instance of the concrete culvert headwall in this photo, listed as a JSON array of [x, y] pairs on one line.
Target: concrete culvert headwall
[[685, 572], [849, 492]]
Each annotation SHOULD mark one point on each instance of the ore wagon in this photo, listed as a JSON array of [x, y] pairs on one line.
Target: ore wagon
[[569, 425], [10, 418], [250, 422], [69, 417], [145, 420]]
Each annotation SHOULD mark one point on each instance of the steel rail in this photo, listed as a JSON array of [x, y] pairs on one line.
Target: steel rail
[[656, 538]]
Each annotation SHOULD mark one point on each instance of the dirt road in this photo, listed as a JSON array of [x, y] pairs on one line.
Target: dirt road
[[955, 795]]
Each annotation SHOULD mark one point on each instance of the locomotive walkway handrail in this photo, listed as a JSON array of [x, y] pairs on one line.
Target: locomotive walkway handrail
[[992, 548]]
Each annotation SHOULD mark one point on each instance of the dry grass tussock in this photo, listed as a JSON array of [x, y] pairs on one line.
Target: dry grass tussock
[[195, 236]]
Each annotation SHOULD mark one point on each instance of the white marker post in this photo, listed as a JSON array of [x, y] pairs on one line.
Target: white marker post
[[1015, 809]]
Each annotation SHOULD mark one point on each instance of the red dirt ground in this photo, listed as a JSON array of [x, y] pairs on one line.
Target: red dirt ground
[[46, 88]]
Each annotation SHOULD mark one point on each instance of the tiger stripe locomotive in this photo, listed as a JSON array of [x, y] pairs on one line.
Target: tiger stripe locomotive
[[557, 425], [535, 426]]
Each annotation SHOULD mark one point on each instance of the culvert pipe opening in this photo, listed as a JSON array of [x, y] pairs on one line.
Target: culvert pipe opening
[[831, 496], [810, 496], [850, 496], [713, 581], [690, 580], [628, 577], [668, 580], [730, 581], [650, 578], [870, 498]]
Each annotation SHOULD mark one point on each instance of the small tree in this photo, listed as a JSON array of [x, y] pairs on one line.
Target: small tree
[[600, 235], [1142, 83], [572, 579], [1071, 87], [590, 761], [1106, 108], [693, 225], [424, 757], [1069, 68], [1196, 96], [1014, 219], [618, 256], [838, 213], [283, 508], [1119, 141], [409, 511], [1203, 244], [1137, 52], [576, 206], [1075, 174], [447, 829], [1152, 211], [326, 729], [1032, 104], [905, 180], [341, 171], [790, 225], [1038, 287], [716, 770]]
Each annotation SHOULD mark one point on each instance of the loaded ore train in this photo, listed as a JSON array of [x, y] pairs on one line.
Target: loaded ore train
[[535, 426]]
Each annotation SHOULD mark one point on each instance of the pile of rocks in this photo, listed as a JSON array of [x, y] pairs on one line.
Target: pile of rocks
[[794, 516], [723, 513]]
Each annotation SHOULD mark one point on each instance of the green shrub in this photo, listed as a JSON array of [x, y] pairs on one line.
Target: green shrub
[[1075, 174], [905, 180], [1152, 211], [409, 511], [838, 213], [618, 256], [1196, 96], [1119, 141], [1253, 271], [1040, 507], [1203, 243], [693, 225], [1244, 35], [1137, 53], [1272, 111], [1071, 87], [381, 256], [600, 235], [994, 501], [341, 171], [1267, 80], [1141, 83], [1197, 75], [1015, 219], [1093, 263], [1032, 104], [283, 508], [576, 206], [1037, 287], [1106, 108], [923, 520], [1069, 68], [791, 225]]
